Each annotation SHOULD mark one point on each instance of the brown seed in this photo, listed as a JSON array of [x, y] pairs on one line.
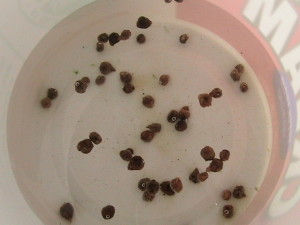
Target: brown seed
[[239, 192], [153, 187], [52, 93], [66, 211], [207, 153], [46, 103], [148, 197], [126, 154], [216, 93], [125, 35], [228, 211], [99, 47], [128, 88], [136, 163], [240, 68], [184, 113], [205, 100], [100, 80], [226, 195], [224, 155], [235, 75], [154, 127], [85, 146], [125, 77], [148, 101], [172, 116], [106, 68], [176, 185], [142, 185], [216, 165], [194, 176], [95, 138], [108, 212], [141, 38], [143, 22], [103, 38], [80, 86], [203, 176], [86, 80], [147, 135], [244, 87], [113, 38], [166, 189], [164, 79], [183, 38], [181, 125], [168, 1]]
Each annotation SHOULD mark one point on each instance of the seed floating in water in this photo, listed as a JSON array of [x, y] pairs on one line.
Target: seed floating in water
[[153, 187], [100, 80], [148, 101], [108, 212], [86, 80], [125, 77], [66, 211], [85, 146], [103, 38], [80, 86], [141, 38], [194, 176], [148, 197], [216, 165], [208, 153], [52, 93], [228, 211], [226, 195], [176, 185], [224, 155], [203, 176], [235, 75], [166, 189], [136, 163], [128, 88], [95, 138], [240, 68], [184, 113], [126, 154], [46, 103], [99, 47], [239, 192], [106, 68], [183, 38], [216, 93], [113, 38], [181, 125], [164, 80], [143, 22], [142, 185], [172, 116], [244, 87], [154, 127], [147, 135], [205, 100], [125, 35]]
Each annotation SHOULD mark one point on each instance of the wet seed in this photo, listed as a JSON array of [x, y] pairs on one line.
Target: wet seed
[[46, 103], [226, 195], [99, 47], [235, 75], [228, 211], [66, 211], [128, 88], [203, 176], [205, 100], [184, 113], [100, 80], [194, 176], [176, 185], [103, 38], [172, 116], [86, 80], [216, 165], [125, 77], [164, 79], [85, 146], [148, 101], [143, 22], [95, 138], [114, 38], [239, 192], [106, 68], [136, 163], [183, 38], [142, 185], [244, 87], [154, 127], [125, 35], [240, 68], [52, 93], [181, 125], [80, 86], [141, 39], [126, 154], [147, 135], [153, 187], [148, 197], [166, 189], [216, 93], [207, 153], [224, 155], [108, 212]]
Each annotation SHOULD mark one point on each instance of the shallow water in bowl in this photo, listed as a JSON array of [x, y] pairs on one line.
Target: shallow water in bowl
[[50, 170]]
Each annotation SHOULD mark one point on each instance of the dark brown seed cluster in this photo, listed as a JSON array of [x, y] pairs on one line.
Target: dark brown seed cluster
[[106, 68], [239, 192], [224, 155], [173, 116], [66, 211], [136, 163], [197, 177], [216, 93], [127, 154], [226, 195], [142, 185], [228, 211], [244, 87], [126, 79], [152, 187], [85, 146], [205, 100], [100, 80], [166, 188], [95, 138], [108, 212], [183, 38], [148, 101], [237, 72], [143, 22], [180, 118], [164, 79], [52, 94], [141, 39], [207, 153]]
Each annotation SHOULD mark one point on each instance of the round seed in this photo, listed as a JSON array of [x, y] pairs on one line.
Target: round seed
[[106, 68], [128, 88], [181, 125], [136, 163], [183, 38], [226, 195], [148, 197], [244, 87], [184, 113], [100, 80], [126, 154], [103, 38], [46, 103], [166, 189], [164, 79], [224, 155], [203, 176], [95, 138], [52, 93], [207, 153], [172, 116], [125, 77], [66, 211], [142, 185], [176, 185], [125, 35], [114, 38], [153, 187], [80, 86], [141, 39], [86, 80], [235, 75], [216, 165], [147, 135], [228, 211], [205, 100], [239, 192], [99, 47], [240, 68], [108, 212], [194, 176], [216, 93], [85, 146], [143, 22], [148, 101], [154, 127]]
